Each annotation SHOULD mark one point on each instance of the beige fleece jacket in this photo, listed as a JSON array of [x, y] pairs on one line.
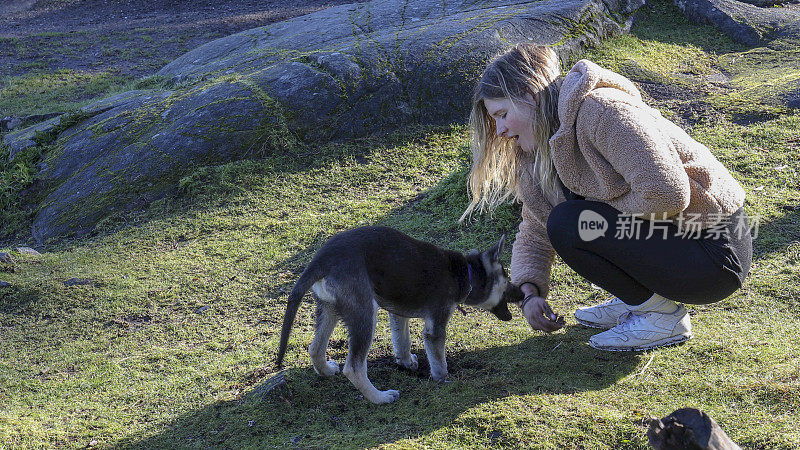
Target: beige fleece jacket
[[613, 148]]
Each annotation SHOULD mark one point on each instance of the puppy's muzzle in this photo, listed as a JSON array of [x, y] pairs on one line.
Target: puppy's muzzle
[[512, 294]]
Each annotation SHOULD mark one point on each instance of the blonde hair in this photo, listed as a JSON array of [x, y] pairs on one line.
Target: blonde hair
[[496, 163]]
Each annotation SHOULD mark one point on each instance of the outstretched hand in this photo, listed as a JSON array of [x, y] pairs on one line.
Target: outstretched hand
[[540, 317]]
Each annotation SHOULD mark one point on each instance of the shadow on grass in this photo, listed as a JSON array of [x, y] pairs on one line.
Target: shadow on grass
[[309, 411], [662, 21], [20, 301], [316, 412], [776, 235]]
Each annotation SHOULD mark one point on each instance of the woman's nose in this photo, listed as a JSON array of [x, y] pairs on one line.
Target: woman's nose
[[502, 129]]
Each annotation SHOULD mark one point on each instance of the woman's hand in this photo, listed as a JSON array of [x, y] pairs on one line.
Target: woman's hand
[[540, 316]]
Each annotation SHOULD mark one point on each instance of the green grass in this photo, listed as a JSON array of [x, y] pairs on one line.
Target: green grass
[[180, 327], [64, 90], [60, 91], [36, 80]]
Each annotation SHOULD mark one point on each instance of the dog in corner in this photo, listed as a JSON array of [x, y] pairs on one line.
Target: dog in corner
[[359, 270]]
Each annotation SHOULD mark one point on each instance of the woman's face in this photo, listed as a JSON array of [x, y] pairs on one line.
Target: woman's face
[[513, 120]]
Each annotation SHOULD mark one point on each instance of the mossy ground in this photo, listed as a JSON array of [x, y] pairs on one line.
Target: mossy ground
[[180, 325]]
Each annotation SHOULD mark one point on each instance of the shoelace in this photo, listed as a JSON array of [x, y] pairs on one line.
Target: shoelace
[[608, 301], [629, 320]]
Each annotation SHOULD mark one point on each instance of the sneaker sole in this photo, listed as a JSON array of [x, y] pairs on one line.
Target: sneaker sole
[[653, 345], [594, 325]]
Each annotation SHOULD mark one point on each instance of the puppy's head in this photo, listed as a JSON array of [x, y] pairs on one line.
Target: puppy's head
[[491, 287]]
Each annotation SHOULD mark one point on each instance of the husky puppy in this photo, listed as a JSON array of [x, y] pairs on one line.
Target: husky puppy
[[359, 270]]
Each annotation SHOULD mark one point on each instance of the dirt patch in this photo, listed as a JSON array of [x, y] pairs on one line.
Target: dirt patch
[[131, 38], [689, 105]]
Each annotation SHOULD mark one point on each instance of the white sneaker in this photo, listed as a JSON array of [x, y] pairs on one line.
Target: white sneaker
[[645, 331], [604, 315]]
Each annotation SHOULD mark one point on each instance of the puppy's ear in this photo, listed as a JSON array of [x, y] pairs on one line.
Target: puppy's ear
[[496, 252]]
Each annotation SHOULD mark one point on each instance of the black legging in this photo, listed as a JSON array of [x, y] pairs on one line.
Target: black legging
[[696, 271]]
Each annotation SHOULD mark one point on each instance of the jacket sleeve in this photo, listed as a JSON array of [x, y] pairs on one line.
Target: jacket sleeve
[[532, 255], [629, 139]]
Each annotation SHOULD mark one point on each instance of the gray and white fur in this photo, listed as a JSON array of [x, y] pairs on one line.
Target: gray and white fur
[[359, 270]]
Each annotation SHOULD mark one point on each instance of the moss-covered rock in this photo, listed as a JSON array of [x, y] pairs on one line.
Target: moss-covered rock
[[743, 22], [126, 157], [342, 72], [387, 63], [763, 81]]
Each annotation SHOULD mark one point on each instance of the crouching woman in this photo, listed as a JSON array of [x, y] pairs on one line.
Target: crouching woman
[[625, 197]]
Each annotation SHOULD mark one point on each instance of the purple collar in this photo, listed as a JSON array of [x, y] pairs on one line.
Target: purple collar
[[469, 280], [469, 289]]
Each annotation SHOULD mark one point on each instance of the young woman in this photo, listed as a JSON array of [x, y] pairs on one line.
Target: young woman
[[625, 197]]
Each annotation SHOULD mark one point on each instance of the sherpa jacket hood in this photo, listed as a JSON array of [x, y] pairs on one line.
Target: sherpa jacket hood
[[614, 148]]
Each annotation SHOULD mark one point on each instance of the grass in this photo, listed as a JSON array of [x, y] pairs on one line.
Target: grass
[[58, 91], [169, 344], [61, 71]]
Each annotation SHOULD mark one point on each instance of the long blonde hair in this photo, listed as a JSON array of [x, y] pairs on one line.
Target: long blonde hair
[[496, 163]]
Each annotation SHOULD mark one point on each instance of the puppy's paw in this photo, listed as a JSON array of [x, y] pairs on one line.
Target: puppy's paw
[[384, 397], [440, 376], [410, 364], [330, 369]]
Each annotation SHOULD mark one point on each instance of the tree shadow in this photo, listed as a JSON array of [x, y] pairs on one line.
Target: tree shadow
[[310, 411]]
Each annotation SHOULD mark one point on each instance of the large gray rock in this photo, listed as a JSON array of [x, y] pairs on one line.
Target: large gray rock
[[342, 72], [744, 22], [22, 139], [769, 3], [126, 156], [355, 69]]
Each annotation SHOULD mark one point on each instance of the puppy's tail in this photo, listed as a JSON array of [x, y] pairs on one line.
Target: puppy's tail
[[311, 275]]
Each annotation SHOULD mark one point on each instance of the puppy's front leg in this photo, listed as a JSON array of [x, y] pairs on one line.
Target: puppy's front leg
[[401, 341], [435, 334]]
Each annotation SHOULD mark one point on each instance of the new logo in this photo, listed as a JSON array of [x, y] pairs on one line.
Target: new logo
[[591, 225]]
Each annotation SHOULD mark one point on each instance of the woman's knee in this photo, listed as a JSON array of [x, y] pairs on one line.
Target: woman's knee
[[716, 286]]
